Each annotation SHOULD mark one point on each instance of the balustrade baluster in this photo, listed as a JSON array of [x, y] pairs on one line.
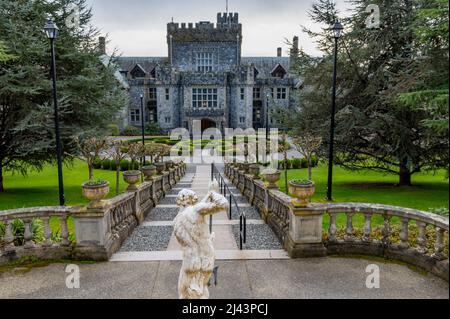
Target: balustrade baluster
[[367, 227], [349, 229], [439, 247], [47, 232], [64, 231], [28, 234], [333, 227], [422, 240], [404, 234], [9, 236], [386, 229]]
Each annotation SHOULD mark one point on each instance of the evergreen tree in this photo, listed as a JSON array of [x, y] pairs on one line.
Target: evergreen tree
[[374, 129], [89, 95]]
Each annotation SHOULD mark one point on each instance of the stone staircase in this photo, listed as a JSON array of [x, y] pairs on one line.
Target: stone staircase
[[154, 239]]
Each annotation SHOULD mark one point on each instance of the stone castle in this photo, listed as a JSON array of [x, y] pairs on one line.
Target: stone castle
[[205, 78]]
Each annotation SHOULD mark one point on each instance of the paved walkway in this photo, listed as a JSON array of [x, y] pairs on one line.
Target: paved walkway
[[154, 240], [261, 279]]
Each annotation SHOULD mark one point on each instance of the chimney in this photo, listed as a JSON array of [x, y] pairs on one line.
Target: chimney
[[279, 52], [102, 45], [294, 49]]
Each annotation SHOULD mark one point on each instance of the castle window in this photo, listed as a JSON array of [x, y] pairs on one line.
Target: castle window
[[204, 97], [278, 72], [242, 94], [167, 94], [242, 120], [135, 115], [281, 94], [257, 93], [205, 62], [152, 94], [168, 120], [138, 72]]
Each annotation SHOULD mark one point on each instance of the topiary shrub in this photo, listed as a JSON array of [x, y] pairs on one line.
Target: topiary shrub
[[125, 165], [98, 163], [106, 164], [296, 163], [131, 131], [304, 163], [314, 161], [113, 130], [112, 165], [153, 129]]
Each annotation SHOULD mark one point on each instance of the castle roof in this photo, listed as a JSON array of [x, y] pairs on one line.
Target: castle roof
[[146, 63], [265, 65]]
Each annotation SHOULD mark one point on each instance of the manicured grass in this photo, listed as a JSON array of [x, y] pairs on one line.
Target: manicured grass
[[428, 190], [41, 188]]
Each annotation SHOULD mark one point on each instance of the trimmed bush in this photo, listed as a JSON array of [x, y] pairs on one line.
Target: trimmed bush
[[113, 130], [106, 164], [314, 161], [98, 163], [112, 165], [131, 131], [296, 163], [125, 165], [152, 129], [304, 163]]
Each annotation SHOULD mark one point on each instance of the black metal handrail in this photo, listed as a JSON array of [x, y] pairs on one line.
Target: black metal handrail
[[225, 191]]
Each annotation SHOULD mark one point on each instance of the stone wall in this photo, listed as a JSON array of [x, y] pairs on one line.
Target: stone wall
[[99, 232], [422, 239]]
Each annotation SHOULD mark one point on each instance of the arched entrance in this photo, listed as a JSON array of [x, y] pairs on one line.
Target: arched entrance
[[207, 123]]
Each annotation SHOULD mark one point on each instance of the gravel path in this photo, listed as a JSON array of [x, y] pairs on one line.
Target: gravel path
[[148, 239], [259, 237], [162, 214], [250, 212], [168, 201]]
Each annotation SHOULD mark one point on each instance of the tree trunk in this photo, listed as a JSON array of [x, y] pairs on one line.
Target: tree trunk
[[91, 172], [309, 168], [118, 179], [2, 189], [405, 176]]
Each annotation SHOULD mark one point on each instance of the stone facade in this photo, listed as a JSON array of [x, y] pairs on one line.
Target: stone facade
[[205, 78]]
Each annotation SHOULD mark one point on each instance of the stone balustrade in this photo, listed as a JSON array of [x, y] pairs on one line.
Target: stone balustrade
[[96, 233], [408, 235]]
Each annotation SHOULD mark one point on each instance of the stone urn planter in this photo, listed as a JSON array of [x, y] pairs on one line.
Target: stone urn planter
[[95, 192], [302, 191], [272, 177], [149, 172], [160, 167], [254, 171], [132, 178]]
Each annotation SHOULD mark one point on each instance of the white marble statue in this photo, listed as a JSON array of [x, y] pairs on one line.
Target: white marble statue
[[192, 232]]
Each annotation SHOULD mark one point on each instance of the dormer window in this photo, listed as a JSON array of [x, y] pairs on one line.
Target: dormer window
[[278, 72], [205, 62], [153, 73], [138, 72]]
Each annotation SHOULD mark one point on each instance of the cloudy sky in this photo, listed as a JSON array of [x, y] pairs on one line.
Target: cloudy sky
[[138, 27]]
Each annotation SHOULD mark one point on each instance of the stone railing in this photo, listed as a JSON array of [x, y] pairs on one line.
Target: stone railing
[[81, 233], [407, 235]]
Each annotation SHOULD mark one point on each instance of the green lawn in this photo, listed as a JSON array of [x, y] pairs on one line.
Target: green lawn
[[429, 190], [41, 188]]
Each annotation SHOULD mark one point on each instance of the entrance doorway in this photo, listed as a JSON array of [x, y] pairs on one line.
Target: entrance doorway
[[207, 123]]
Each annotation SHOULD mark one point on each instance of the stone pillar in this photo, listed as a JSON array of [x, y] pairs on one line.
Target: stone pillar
[[305, 237], [92, 228]]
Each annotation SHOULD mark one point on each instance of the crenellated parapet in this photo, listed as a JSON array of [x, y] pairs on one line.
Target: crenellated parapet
[[227, 29]]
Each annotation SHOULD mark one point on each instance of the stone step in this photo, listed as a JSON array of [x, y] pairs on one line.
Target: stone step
[[177, 255]]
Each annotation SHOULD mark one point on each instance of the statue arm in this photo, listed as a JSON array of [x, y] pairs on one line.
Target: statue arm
[[213, 203]]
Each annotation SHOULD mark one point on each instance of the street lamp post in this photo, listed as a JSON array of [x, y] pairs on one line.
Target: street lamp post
[[337, 33], [51, 31], [268, 96], [143, 127]]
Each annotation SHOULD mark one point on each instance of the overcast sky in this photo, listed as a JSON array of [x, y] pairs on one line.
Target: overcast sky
[[138, 27]]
